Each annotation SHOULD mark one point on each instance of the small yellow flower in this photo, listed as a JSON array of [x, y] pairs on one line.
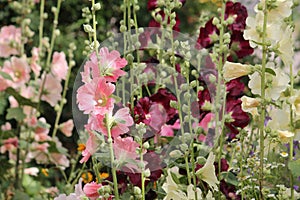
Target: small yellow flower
[[81, 147], [284, 154], [235, 70], [45, 172], [104, 175], [87, 177], [285, 136]]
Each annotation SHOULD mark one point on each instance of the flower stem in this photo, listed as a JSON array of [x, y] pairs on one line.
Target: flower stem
[[291, 155], [112, 157], [263, 97]]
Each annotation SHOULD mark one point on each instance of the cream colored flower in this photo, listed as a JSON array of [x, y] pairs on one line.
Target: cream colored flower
[[235, 70], [286, 49], [250, 105], [279, 118], [285, 136], [207, 172], [191, 193], [278, 85], [172, 189]]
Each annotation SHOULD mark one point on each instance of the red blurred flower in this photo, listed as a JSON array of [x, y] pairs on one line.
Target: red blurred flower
[[239, 12]]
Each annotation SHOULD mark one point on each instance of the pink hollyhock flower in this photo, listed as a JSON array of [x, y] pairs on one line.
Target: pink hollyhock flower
[[10, 39], [168, 130], [35, 67], [9, 144], [38, 152], [119, 122], [19, 70], [95, 97], [204, 123], [73, 196], [60, 160], [91, 148], [59, 67], [110, 65], [41, 131], [125, 152], [67, 127], [6, 126], [91, 190], [32, 171], [52, 90]]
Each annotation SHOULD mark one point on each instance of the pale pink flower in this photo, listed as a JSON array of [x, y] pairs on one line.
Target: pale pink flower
[[32, 171], [110, 65], [52, 191], [35, 67], [59, 66], [91, 190], [67, 127], [157, 116], [19, 70], [119, 122], [52, 90], [95, 97], [60, 160], [90, 148], [125, 153], [205, 124], [73, 196], [10, 39], [6, 126], [41, 132], [38, 152], [168, 130], [9, 144]]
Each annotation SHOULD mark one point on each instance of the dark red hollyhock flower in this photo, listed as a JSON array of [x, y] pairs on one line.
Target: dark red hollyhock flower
[[204, 40], [239, 46], [141, 109], [241, 119], [196, 107], [154, 23], [163, 96], [239, 12], [152, 4], [234, 89]]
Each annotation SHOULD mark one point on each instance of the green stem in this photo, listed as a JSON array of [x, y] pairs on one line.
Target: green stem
[[112, 157], [293, 130], [263, 98], [41, 27], [50, 50]]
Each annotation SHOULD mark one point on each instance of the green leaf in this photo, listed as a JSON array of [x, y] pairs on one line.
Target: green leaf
[[19, 195], [297, 124], [270, 71], [15, 113], [230, 178], [294, 166], [5, 75], [3, 102]]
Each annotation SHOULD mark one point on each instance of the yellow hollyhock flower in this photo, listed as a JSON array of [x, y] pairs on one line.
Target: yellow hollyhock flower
[[285, 136], [235, 70], [250, 105]]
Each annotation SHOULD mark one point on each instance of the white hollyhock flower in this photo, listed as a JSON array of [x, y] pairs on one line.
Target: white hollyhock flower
[[285, 47], [235, 70], [278, 84], [172, 189], [285, 136], [191, 193], [207, 172], [282, 9], [255, 27], [250, 105], [279, 118]]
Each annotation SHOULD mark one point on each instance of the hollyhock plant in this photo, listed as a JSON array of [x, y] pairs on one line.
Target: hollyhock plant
[[95, 96], [67, 127], [10, 39]]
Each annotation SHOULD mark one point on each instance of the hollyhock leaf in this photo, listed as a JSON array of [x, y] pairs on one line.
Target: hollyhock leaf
[[3, 103], [230, 178], [20, 195], [270, 71], [15, 113], [294, 166], [6, 76], [297, 124]]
